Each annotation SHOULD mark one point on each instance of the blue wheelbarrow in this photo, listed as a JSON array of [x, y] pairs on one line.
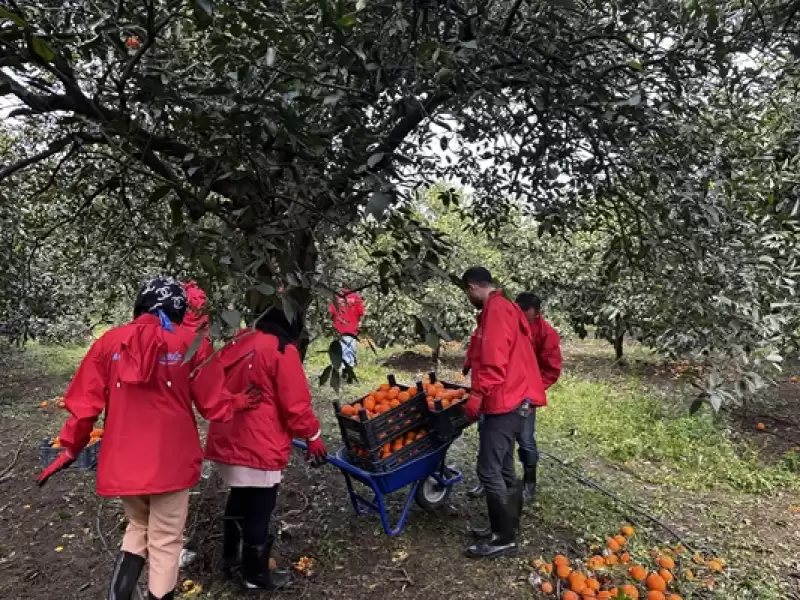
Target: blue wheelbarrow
[[429, 480]]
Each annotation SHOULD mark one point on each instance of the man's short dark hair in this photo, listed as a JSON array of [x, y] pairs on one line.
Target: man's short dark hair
[[478, 276], [529, 300]]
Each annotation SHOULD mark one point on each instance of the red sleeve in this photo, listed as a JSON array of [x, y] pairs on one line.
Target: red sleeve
[[549, 358], [294, 397], [470, 347], [85, 398], [207, 385], [498, 326]]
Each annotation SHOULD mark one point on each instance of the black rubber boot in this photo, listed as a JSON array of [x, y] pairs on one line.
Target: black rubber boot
[[502, 516], [231, 547], [476, 492], [169, 596], [127, 569], [256, 574], [516, 501], [529, 491]]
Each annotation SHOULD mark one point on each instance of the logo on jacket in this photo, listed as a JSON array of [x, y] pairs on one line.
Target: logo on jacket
[[171, 359]]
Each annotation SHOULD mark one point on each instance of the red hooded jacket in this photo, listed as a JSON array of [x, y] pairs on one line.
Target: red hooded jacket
[[261, 438], [504, 368], [346, 311], [137, 374], [547, 347], [196, 298]]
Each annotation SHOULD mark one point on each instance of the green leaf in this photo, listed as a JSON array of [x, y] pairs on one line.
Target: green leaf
[[335, 354], [207, 6], [265, 288], [6, 14], [160, 192], [377, 204], [326, 373], [233, 318], [43, 49], [195, 345], [290, 308], [347, 20], [374, 159], [636, 65]]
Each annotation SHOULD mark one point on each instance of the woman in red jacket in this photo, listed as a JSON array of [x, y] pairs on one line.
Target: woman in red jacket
[[151, 453], [252, 449]]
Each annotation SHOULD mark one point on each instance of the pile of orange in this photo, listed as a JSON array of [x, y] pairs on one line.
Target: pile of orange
[[380, 401], [448, 397], [396, 444], [94, 437], [612, 573]]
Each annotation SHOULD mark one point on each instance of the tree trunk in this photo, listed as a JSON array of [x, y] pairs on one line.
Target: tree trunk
[[618, 346]]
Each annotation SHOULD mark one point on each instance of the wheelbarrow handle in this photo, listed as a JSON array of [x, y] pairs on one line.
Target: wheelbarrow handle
[[332, 459]]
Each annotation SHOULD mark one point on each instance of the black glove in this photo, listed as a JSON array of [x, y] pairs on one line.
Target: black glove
[[465, 371]]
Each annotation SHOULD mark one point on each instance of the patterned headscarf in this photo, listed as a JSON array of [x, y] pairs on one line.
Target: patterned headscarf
[[164, 297]]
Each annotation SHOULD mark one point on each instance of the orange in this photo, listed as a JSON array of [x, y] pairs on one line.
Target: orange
[[604, 595], [715, 566], [627, 530], [547, 587], [614, 592], [357, 406], [611, 560], [656, 582], [630, 590], [394, 403], [563, 571], [593, 584], [570, 595], [613, 545], [381, 396], [665, 562], [61, 404], [655, 595], [597, 562], [369, 403], [403, 397], [348, 411], [674, 597], [761, 426], [445, 404], [621, 540], [638, 572], [625, 557], [577, 581], [431, 405], [560, 560], [384, 387], [587, 593], [43, 404], [666, 575], [382, 408], [393, 394], [412, 391], [397, 445]]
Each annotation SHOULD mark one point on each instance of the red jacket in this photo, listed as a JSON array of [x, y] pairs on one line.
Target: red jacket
[[546, 346], [136, 373], [261, 438], [504, 368], [196, 298], [346, 311]]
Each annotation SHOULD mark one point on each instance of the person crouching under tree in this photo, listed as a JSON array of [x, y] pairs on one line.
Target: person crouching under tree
[[151, 453], [252, 449], [506, 385]]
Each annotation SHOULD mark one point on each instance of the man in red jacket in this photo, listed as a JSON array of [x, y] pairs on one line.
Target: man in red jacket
[[506, 384], [150, 454], [346, 311], [547, 348]]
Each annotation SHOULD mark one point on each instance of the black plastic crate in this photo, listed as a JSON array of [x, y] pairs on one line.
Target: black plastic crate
[[86, 461], [448, 423], [374, 464], [371, 434]]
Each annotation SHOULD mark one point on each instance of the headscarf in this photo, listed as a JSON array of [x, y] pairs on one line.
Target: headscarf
[[163, 297]]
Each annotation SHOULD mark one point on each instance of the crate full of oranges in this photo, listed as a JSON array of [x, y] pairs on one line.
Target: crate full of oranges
[[394, 453], [445, 401], [381, 416], [87, 459]]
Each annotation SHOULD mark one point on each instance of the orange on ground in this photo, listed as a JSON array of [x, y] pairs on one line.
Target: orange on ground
[[621, 540], [593, 584], [656, 582], [715, 566], [604, 595], [560, 560], [627, 530], [655, 595], [43, 404], [570, 595], [547, 587], [665, 562], [761, 426], [611, 560], [630, 590], [613, 545], [638, 572], [625, 557], [666, 575], [563, 571]]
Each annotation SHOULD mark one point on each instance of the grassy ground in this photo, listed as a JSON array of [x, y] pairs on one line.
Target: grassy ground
[[722, 487]]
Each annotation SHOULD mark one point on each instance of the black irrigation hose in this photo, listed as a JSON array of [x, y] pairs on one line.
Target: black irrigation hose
[[592, 484]]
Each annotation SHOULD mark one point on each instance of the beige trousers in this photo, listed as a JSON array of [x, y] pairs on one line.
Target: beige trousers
[[155, 531]]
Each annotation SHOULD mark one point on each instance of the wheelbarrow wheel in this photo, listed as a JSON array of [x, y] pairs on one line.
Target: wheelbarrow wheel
[[431, 494]]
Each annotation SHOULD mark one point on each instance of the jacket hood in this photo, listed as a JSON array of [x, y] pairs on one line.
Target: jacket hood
[[141, 349]]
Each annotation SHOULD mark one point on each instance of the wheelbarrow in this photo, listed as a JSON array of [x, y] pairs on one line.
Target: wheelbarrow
[[428, 480]]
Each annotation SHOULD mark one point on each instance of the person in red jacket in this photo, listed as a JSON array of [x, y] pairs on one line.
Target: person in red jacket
[[252, 449], [196, 317], [506, 384], [151, 454], [547, 348], [346, 311]]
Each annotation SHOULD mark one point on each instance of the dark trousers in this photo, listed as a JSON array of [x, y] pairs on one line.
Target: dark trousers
[[251, 509], [498, 433], [528, 452]]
